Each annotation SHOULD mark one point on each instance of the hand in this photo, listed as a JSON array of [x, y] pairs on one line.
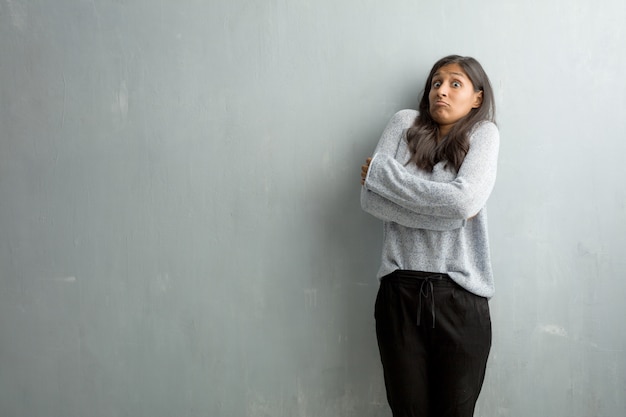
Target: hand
[[364, 169]]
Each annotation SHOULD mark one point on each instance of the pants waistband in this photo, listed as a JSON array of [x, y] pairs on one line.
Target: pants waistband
[[416, 278]]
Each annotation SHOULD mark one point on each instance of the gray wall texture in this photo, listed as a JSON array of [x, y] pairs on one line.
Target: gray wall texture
[[180, 226]]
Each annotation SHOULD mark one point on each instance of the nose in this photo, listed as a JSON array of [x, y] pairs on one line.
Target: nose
[[442, 91]]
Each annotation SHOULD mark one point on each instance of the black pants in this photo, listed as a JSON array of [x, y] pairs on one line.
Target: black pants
[[434, 339]]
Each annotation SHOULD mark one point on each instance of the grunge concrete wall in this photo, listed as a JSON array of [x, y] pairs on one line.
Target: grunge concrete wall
[[180, 232]]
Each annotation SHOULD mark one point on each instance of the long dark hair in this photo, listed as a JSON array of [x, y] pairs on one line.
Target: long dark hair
[[423, 137]]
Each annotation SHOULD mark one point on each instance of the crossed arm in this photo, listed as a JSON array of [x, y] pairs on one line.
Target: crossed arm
[[390, 192]]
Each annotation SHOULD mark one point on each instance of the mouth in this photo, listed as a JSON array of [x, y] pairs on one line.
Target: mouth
[[440, 103]]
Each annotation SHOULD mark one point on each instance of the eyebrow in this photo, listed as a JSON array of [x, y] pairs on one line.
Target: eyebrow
[[459, 74]]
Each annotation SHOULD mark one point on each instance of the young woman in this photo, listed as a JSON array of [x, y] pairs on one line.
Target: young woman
[[429, 180]]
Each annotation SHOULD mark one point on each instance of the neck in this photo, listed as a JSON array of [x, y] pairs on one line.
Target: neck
[[443, 131]]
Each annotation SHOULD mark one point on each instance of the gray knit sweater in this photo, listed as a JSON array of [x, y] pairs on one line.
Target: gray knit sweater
[[434, 221]]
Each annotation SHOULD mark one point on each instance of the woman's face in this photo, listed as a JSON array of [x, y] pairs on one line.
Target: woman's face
[[451, 97]]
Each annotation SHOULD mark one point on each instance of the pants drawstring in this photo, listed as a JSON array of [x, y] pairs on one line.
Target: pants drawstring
[[427, 289]]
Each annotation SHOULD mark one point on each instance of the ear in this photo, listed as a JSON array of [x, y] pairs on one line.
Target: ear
[[478, 99]]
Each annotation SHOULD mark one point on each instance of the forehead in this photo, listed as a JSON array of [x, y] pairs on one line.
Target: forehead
[[450, 70]]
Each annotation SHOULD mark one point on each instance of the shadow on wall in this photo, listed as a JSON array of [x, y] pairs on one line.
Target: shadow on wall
[[346, 258]]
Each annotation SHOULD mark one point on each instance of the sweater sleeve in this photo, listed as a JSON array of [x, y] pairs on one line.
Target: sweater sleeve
[[460, 198], [387, 210]]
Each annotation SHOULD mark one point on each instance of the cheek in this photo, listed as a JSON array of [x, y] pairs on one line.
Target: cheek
[[431, 98]]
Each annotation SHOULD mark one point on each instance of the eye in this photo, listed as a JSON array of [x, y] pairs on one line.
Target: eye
[[456, 84], [437, 84]]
